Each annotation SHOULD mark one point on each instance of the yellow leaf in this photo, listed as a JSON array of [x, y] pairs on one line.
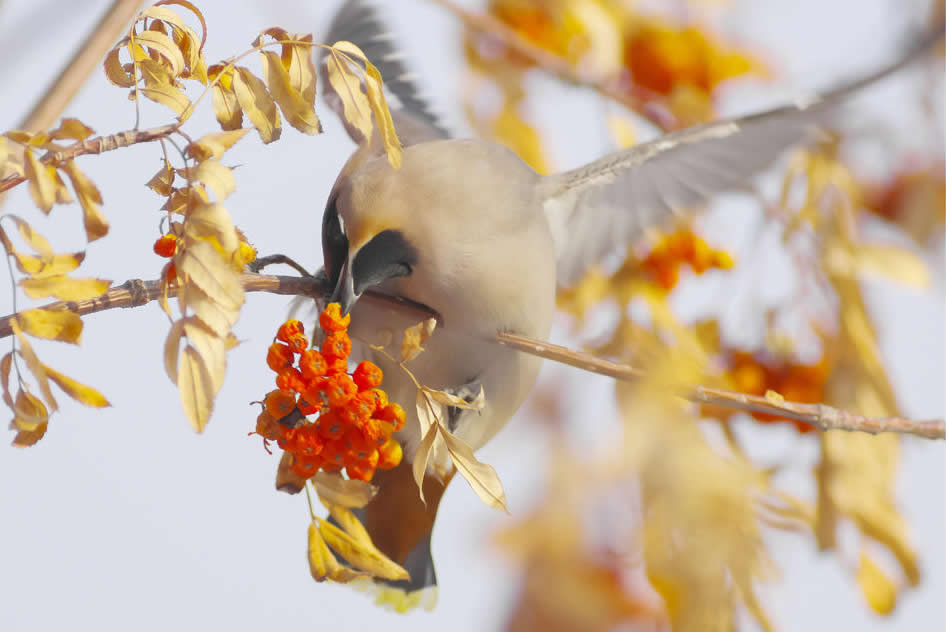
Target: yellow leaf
[[76, 390], [896, 264], [347, 85], [216, 177], [361, 557], [163, 181], [33, 364], [30, 411], [114, 71], [202, 266], [62, 325], [214, 145], [72, 128], [350, 523], [196, 387], [64, 288], [96, 226], [36, 241], [162, 45], [258, 104], [422, 456], [218, 318], [351, 493], [296, 59], [415, 337], [27, 438], [211, 349], [226, 108], [878, 589], [449, 399], [167, 95], [42, 181], [481, 477], [298, 112], [322, 562], [213, 220], [5, 365], [379, 106], [47, 266], [172, 349]]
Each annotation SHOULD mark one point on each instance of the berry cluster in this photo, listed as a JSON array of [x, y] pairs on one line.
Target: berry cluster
[[679, 248], [354, 420]]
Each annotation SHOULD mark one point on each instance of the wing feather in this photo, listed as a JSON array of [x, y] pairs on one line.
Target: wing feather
[[611, 202]]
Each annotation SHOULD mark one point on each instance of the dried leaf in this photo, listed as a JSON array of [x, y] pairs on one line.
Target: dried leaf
[[379, 106], [322, 562], [202, 266], [218, 318], [42, 181], [350, 523], [36, 241], [114, 71], [163, 181], [878, 589], [162, 45], [71, 128], [216, 177], [257, 103], [28, 438], [449, 399], [213, 220], [422, 457], [347, 85], [214, 145], [298, 112], [481, 477], [29, 410], [96, 226], [415, 337], [227, 108], [33, 364], [5, 365], [62, 325], [211, 349], [351, 493], [196, 388], [47, 266], [76, 390], [168, 95], [361, 557]]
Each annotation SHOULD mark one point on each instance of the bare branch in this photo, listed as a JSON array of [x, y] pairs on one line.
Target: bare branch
[[135, 292], [640, 101]]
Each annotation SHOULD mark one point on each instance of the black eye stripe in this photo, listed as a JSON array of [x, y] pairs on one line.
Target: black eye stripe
[[386, 256], [334, 242]]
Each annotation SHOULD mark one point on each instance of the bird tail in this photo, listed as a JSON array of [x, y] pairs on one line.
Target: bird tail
[[400, 525]]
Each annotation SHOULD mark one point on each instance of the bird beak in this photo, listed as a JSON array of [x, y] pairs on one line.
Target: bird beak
[[344, 293]]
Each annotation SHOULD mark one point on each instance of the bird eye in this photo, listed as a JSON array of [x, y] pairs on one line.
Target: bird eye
[[334, 242]]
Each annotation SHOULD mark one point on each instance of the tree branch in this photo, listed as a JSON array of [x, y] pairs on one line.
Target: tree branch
[[135, 292], [640, 101]]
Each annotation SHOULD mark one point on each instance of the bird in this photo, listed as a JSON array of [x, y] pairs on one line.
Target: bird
[[472, 233]]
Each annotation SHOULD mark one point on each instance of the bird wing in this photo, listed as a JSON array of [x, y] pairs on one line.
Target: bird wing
[[611, 202], [359, 23]]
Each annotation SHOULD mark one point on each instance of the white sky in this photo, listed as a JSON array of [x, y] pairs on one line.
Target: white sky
[[125, 519]]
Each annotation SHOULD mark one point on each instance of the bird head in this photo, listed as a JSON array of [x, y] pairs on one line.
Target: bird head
[[362, 248]]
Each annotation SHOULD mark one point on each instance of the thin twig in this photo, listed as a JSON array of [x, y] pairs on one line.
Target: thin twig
[[135, 292], [636, 99], [96, 145]]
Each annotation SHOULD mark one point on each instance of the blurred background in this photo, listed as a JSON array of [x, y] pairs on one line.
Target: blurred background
[[124, 518]]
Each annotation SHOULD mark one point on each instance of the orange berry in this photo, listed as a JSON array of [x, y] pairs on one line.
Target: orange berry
[[289, 380], [279, 357], [394, 414], [372, 430], [307, 408], [333, 455], [356, 411], [357, 447], [367, 375], [289, 329], [336, 345], [313, 364], [170, 272], [389, 455], [330, 426], [339, 390], [268, 427], [298, 343], [280, 403], [362, 473], [306, 467], [332, 320], [376, 397], [336, 366], [303, 440], [166, 245]]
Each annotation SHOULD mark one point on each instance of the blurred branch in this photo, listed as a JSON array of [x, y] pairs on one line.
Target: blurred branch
[[96, 145], [639, 101], [135, 292], [84, 61]]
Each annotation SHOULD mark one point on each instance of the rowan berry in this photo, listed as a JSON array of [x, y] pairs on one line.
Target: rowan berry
[[279, 357], [280, 403], [312, 364], [332, 320], [367, 375], [339, 390], [336, 366], [336, 345], [166, 245], [268, 427], [389, 455], [289, 380], [394, 414], [360, 472], [330, 426], [289, 329], [306, 467]]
